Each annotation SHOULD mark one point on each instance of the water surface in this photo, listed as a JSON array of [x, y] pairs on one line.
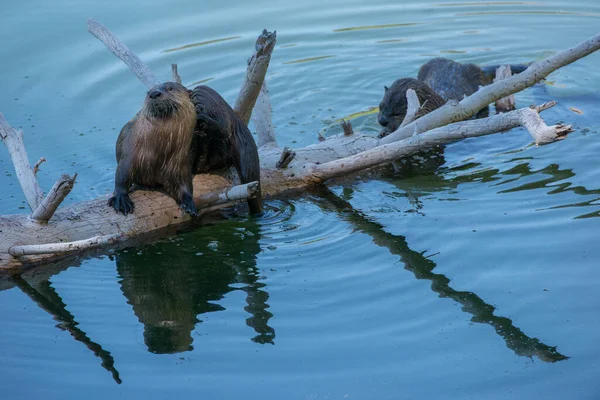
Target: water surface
[[473, 276]]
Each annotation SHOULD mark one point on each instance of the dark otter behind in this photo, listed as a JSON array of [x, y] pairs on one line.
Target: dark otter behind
[[153, 149], [450, 79], [222, 139]]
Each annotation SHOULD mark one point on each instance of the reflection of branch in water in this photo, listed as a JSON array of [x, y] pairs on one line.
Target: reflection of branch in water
[[48, 300], [419, 179], [170, 286], [422, 268]]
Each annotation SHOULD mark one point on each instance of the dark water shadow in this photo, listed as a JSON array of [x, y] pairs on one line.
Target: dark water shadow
[[422, 268], [171, 284]]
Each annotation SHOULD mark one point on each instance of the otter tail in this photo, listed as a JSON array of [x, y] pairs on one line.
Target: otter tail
[[489, 71], [246, 162]]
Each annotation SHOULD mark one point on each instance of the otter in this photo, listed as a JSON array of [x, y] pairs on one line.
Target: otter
[[179, 133], [450, 79], [438, 81], [393, 107], [222, 139], [153, 149]]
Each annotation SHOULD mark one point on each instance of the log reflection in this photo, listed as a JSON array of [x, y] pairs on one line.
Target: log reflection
[[171, 286], [422, 268], [48, 300]]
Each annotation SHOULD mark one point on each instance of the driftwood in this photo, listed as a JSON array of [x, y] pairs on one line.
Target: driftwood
[[84, 226], [507, 103]]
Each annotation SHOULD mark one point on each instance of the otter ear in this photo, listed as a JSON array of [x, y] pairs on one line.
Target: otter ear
[[386, 88]]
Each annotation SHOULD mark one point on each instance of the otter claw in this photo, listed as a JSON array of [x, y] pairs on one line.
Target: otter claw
[[187, 205], [121, 203]]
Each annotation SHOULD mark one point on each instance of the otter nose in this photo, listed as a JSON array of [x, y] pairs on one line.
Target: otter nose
[[382, 120], [154, 94]]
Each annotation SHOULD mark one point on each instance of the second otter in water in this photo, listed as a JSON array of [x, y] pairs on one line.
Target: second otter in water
[[438, 81]]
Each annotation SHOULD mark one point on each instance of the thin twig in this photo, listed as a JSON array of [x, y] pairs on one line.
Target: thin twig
[[57, 194], [287, 155], [176, 77], [36, 167]]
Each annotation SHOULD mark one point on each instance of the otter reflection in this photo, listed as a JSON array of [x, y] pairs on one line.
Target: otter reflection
[[170, 285]]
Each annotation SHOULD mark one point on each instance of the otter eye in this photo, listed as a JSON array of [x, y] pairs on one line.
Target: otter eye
[[170, 88]]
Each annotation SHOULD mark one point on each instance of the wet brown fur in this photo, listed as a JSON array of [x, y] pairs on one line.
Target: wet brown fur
[[153, 149], [393, 107]]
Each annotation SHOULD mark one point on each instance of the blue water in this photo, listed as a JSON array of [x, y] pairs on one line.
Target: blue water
[[475, 278]]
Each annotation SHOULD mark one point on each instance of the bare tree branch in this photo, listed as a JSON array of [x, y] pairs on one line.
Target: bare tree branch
[[227, 195], [527, 117], [36, 167], [287, 156], [176, 77], [68, 247], [413, 106], [506, 103], [119, 49], [255, 75], [13, 139], [57, 194]]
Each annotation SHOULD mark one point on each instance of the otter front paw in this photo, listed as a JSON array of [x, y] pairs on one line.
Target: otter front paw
[[187, 204], [121, 203]]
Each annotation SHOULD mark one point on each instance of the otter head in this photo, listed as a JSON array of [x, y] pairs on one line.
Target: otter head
[[392, 108], [166, 99]]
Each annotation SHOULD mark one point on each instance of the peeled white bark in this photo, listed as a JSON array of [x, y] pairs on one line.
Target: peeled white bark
[[13, 139]]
